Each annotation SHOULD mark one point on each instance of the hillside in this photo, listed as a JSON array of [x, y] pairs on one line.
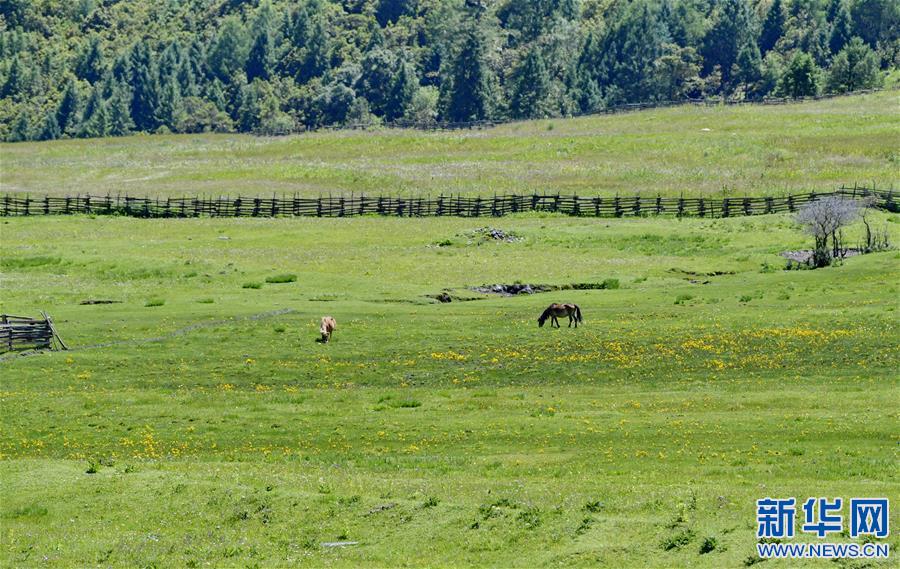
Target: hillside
[[93, 68], [692, 150]]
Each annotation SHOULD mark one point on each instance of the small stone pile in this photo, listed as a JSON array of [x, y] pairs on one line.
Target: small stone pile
[[494, 234]]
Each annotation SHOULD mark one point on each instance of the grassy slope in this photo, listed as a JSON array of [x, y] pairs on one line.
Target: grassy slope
[[749, 150], [497, 443]]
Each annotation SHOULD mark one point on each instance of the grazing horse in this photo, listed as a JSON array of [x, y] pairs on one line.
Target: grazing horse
[[327, 327], [555, 310]]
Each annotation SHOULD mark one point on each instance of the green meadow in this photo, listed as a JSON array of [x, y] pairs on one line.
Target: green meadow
[[748, 150], [196, 422]]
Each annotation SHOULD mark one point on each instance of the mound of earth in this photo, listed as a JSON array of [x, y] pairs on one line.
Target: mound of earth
[[512, 289], [494, 234]]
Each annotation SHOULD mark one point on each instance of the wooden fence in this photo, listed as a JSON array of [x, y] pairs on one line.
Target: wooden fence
[[444, 205], [22, 333]]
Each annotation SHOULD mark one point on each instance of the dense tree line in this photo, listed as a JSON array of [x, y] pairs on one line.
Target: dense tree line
[[89, 68]]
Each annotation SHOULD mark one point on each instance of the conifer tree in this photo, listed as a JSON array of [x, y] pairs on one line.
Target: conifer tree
[[841, 29], [800, 79], [20, 130], [259, 62], [96, 117], [15, 80], [468, 90], [403, 90], [145, 86], [531, 89], [733, 27], [773, 27], [119, 109], [50, 130], [317, 57], [90, 66], [67, 111], [855, 67]]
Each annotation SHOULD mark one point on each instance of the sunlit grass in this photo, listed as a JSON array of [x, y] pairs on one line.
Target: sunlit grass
[[687, 150], [215, 429]]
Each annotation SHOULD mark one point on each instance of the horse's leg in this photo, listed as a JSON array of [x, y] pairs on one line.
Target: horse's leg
[[574, 318], [570, 321]]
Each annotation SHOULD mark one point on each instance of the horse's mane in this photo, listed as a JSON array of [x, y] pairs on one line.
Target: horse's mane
[[544, 315]]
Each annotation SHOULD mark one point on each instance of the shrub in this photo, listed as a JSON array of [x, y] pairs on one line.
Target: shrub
[[154, 302], [610, 284], [206, 301], [745, 298], [678, 540], [252, 285], [709, 545], [285, 278], [683, 298], [530, 517]]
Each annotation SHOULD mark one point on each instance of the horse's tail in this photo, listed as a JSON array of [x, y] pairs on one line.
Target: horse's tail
[[578, 314]]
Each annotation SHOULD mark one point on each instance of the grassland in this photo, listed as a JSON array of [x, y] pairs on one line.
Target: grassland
[[434, 434], [691, 150]]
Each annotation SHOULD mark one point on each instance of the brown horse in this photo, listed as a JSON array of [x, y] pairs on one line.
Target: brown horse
[[556, 310], [327, 327]]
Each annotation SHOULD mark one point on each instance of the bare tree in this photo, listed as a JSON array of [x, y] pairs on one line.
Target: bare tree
[[823, 219], [875, 240]]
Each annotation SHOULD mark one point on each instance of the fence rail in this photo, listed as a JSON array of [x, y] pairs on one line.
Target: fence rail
[[444, 205], [22, 333]]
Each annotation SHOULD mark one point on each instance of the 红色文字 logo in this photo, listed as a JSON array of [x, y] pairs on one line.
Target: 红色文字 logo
[[822, 517]]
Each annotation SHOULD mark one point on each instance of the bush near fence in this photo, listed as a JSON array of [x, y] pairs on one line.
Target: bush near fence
[[454, 206]]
